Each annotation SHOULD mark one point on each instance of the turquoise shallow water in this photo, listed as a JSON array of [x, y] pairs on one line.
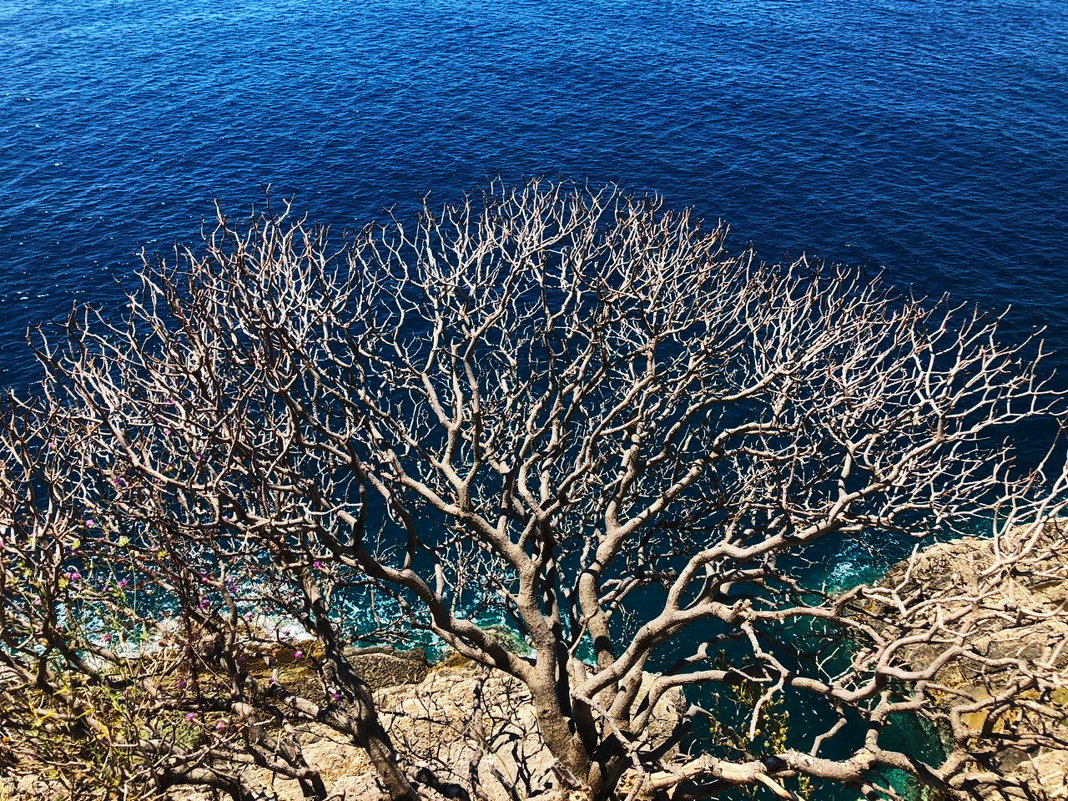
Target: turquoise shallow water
[[928, 139]]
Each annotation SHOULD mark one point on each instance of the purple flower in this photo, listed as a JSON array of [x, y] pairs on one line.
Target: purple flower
[[317, 565], [90, 522], [298, 654], [190, 716], [119, 482], [124, 583], [74, 575], [220, 725], [205, 603]]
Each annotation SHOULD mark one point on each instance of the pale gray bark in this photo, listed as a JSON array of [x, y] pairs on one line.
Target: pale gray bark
[[577, 411]]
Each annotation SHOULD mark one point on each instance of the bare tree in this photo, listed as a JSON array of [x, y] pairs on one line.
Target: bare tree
[[561, 410]]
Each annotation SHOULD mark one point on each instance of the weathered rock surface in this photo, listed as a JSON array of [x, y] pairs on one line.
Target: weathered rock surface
[[470, 726], [384, 667], [1023, 614], [463, 723]]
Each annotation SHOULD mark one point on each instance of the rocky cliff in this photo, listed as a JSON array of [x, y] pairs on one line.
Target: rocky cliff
[[1016, 589]]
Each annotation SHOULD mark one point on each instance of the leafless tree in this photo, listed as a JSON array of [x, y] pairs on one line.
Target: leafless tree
[[562, 411]]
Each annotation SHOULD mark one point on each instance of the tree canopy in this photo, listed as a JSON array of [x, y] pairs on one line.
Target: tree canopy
[[560, 432]]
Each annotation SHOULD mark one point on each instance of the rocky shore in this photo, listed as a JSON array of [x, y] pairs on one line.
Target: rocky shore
[[1024, 615], [465, 724], [455, 719]]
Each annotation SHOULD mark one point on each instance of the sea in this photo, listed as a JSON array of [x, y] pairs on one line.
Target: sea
[[927, 141]]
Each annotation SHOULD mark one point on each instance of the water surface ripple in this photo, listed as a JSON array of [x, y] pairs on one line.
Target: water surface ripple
[[927, 139]]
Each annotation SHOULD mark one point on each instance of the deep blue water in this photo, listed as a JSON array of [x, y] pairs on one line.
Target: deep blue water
[[929, 139]]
